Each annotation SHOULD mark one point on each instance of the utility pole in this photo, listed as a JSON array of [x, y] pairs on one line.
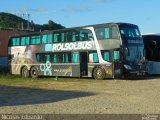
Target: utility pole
[[22, 25], [28, 20]]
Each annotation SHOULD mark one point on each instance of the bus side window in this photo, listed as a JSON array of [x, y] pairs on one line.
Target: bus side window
[[75, 57], [107, 33], [38, 57], [67, 57], [25, 41], [66, 37], [115, 32], [54, 58], [116, 55], [63, 37], [93, 57], [59, 58], [102, 33], [15, 41], [81, 36], [56, 37], [49, 37], [90, 36], [46, 39], [47, 57], [85, 35], [74, 36], [35, 40], [106, 55]]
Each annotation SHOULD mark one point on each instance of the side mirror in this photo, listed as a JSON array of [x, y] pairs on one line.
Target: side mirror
[[127, 51]]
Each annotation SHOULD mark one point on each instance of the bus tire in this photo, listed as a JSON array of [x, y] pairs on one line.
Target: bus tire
[[99, 73], [25, 72], [34, 72]]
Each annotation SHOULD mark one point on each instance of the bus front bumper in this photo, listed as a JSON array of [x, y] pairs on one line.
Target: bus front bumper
[[136, 74], [139, 73]]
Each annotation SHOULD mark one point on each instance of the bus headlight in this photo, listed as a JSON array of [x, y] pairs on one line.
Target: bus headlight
[[127, 67]]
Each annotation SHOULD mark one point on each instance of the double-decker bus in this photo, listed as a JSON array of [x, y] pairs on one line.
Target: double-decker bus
[[152, 48], [100, 51]]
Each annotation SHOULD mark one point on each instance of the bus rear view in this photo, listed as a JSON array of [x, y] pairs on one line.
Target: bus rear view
[[152, 48]]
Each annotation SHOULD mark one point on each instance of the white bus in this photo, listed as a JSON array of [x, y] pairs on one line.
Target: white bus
[[152, 48], [100, 51]]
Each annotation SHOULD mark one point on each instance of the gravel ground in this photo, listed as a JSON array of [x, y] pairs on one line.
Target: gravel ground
[[110, 96]]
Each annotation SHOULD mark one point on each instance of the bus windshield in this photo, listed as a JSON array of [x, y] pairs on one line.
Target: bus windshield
[[132, 38], [130, 31], [131, 34], [135, 54]]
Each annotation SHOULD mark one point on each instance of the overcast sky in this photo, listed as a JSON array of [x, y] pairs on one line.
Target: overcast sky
[[72, 13]]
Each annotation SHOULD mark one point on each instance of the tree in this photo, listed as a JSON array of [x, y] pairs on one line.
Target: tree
[[51, 25], [8, 20]]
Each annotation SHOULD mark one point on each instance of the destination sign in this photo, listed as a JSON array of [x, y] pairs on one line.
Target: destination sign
[[135, 41]]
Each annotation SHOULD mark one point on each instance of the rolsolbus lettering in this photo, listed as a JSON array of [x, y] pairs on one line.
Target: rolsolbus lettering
[[72, 46]]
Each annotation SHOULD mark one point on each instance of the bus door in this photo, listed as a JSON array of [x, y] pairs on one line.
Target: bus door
[[84, 63], [117, 63]]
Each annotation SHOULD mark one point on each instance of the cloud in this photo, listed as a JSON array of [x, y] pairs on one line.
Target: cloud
[[25, 13], [36, 14], [77, 9], [37, 10]]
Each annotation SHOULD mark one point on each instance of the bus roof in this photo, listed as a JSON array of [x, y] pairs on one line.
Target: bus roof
[[151, 34], [65, 29], [151, 37]]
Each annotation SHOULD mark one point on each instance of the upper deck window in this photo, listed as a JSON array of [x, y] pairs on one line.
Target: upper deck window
[[35, 40], [102, 33], [63, 37], [15, 41], [46, 39], [85, 35], [74, 36], [25, 41], [115, 32], [56, 37]]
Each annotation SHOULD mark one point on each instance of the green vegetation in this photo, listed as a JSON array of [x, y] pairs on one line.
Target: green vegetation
[[8, 20], [45, 82]]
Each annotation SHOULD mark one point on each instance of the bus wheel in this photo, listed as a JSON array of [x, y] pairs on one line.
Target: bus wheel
[[34, 72], [25, 72], [99, 73]]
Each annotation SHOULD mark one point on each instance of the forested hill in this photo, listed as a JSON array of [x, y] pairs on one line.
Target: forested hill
[[8, 20]]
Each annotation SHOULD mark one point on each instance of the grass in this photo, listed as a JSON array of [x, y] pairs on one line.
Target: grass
[[45, 82]]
